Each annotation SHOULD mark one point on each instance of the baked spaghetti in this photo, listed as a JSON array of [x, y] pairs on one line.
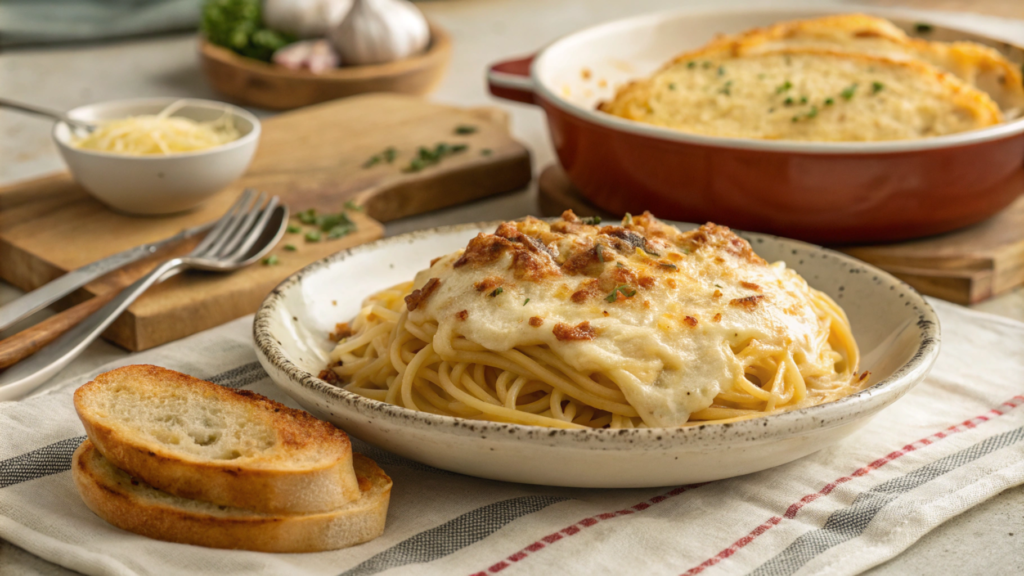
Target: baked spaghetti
[[573, 324]]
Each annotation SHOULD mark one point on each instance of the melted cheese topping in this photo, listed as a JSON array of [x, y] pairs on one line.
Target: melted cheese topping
[[662, 313]]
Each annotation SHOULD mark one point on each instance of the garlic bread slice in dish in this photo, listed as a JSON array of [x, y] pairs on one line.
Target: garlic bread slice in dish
[[133, 505], [805, 94], [202, 441], [980, 66]]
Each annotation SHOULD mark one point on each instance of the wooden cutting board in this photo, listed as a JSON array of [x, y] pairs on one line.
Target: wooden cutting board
[[966, 266], [312, 158]]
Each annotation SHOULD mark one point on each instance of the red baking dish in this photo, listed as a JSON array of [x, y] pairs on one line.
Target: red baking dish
[[821, 192]]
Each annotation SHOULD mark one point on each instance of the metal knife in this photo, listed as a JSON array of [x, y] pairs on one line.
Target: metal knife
[[52, 291]]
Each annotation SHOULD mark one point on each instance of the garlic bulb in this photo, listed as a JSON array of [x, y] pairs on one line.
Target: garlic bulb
[[304, 18], [378, 31]]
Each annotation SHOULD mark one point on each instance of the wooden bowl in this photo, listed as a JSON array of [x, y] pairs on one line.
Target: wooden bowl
[[263, 85]]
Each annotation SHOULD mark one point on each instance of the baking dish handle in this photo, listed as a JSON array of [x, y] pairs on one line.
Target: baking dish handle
[[510, 79]]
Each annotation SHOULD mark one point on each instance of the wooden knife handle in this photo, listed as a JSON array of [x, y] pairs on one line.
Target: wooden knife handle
[[30, 340]]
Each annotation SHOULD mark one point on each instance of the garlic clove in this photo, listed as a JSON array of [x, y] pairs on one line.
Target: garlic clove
[[315, 55], [379, 31], [322, 57], [293, 55]]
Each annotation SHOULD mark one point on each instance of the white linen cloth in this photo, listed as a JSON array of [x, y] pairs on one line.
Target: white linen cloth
[[954, 441]]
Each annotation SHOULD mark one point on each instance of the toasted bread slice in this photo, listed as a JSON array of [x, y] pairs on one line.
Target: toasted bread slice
[[135, 506], [202, 441], [805, 94], [980, 66]]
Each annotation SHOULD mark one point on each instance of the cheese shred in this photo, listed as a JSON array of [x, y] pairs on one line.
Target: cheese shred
[[160, 134]]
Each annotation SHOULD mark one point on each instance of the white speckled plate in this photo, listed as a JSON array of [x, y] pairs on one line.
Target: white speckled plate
[[897, 330]]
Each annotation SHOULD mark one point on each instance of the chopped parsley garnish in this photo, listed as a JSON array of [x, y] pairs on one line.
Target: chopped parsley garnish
[[847, 93], [341, 230], [706, 65], [331, 222], [691, 64], [803, 99], [877, 87], [293, 229], [335, 225], [810, 114], [350, 205], [431, 156], [307, 216], [726, 89], [624, 289], [497, 291], [525, 302], [290, 247], [718, 285], [486, 152], [788, 101], [923, 28], [783, 87], [829, 101], [721, 70], [620, 264], [270, 260], [463, 129], [388, 155], [668, 265], [593, 220], [672, 86]]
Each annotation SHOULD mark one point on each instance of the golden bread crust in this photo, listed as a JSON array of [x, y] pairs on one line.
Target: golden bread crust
[[305, 464], [132, 505], [973, 85], [798, 94]]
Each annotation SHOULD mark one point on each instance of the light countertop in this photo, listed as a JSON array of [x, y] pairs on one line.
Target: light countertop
[[484, 31]]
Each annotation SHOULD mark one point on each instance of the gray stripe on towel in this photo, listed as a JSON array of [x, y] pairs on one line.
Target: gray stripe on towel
[[454, 535], [850, 522]]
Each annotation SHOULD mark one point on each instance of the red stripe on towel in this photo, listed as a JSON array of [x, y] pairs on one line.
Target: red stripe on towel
[[794, 508]]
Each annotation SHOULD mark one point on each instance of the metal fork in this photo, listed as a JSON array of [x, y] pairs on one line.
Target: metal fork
[[250, 228]]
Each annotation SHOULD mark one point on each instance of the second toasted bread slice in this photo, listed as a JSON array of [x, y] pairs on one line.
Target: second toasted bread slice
[[201, 441], [137, 507]]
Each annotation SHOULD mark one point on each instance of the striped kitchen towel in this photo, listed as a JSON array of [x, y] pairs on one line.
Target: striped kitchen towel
[[954, 441]]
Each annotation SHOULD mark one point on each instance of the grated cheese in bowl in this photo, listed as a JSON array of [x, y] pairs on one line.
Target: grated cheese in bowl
[[159, 134]]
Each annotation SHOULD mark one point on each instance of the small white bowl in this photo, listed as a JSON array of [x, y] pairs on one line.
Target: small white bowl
[[898, 334], [152, 185]]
